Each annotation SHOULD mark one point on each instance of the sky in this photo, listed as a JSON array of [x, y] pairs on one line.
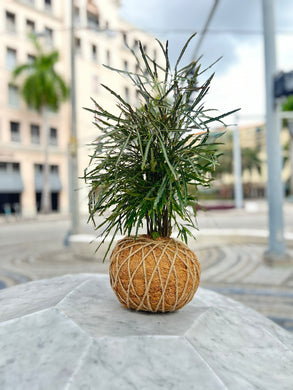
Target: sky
[[235, 34]]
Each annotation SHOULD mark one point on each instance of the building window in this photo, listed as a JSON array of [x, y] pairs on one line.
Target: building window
[[78, 46], [76, 16], [125, 65], [94, 53], [30, 26], [15, 131], [54, 169], [10, 58], [49, 36], [15, 167], [53, 140], [48, 5], [9, 167], [35, 134], [108, 58], [124, 37], [10, 22], [3, 166], [31, 58], [13, 96], [38, 168], [93, 21], [126, 94], [135, 44]]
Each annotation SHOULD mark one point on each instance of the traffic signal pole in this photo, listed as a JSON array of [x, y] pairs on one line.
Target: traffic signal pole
[[237, 167], [276, 252]]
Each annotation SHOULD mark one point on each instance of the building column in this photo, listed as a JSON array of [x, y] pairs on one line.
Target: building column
[[28, 196]]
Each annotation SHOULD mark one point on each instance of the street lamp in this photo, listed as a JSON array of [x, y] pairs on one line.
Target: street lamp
[[73, 168]]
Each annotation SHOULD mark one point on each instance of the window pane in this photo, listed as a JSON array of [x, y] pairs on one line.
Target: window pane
[[10, 22], [30, 26], [3, 166], [49, 36], [126, 94], [76, 16], [53, 136], [38, 168], [15, 167], [35, 134], [108, 58], [10, 58], [124, 37], [48, 5], [92, 21], [30, 58], [13, 97], [15, 131], [94, 52], [78, 46], [54, 169]]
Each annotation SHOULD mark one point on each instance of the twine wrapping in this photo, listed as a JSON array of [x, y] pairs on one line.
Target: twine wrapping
[[153, 275]]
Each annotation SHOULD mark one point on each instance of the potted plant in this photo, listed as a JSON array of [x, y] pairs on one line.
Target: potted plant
[[144, 161]]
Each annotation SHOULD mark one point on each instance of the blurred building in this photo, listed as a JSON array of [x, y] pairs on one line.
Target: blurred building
[[254, 162], [101, 38]]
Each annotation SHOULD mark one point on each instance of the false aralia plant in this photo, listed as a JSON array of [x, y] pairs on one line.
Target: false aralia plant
[[147, 156]]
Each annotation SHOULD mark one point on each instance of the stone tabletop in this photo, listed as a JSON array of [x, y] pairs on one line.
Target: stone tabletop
[[71, 333]]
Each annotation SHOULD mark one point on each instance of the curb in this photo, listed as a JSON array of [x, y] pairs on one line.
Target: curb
[[85, 245]]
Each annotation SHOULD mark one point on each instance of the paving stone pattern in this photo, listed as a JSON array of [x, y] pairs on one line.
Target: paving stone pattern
[[233, 270]]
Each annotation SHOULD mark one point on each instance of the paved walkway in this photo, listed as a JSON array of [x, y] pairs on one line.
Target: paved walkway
[[235, 270], [231, 261]]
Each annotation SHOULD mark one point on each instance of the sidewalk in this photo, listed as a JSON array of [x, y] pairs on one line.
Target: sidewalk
[[233, 269], [229, 250]]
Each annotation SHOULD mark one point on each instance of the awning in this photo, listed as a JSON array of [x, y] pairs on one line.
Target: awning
[[10, 182], [54, 182]]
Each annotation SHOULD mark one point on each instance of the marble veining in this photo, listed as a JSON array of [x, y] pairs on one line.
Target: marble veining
[[242, 352], [101, 314], [39, 350], [17, 301], [71, 333], [139, 362]]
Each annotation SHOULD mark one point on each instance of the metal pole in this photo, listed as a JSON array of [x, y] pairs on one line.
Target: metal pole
[[290, 127], [73, 168], [277, 245], [238, 190]]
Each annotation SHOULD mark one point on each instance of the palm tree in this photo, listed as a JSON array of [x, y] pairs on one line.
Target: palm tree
[[251, 160], [43, 89], [288, 106]]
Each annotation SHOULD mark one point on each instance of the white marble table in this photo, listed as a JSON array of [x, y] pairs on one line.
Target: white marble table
[[71, 333]]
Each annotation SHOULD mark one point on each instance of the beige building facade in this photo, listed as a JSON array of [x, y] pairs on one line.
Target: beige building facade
[[101, 38], [255, 174]]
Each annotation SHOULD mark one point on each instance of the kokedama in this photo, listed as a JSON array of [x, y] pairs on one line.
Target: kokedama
[[144, 161]]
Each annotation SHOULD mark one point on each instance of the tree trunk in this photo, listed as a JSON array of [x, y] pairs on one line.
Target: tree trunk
[[46, 195]]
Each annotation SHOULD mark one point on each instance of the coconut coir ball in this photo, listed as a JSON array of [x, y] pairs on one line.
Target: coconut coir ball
[[158, 275]]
